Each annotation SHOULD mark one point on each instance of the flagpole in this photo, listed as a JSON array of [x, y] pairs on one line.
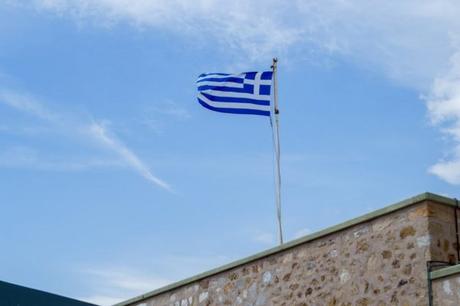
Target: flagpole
[[276, 144]]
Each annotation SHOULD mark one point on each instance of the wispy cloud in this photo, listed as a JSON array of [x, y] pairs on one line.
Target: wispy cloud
[[264, 238], [29, 158], [110, 284], [170, 109], [391, 36], [95, 131], [26, 103], [269, 239], [302, 232], [99, 132], [413, 42], [257, 27], [156, 117], [113, 285]]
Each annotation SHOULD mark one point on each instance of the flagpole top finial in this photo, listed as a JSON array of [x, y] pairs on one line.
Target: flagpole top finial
[[275, 61]]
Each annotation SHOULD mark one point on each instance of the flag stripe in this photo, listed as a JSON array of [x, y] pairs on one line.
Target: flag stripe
[[234, 110], [246, 88], [225, 79], [217, 76], [213, 82], [226, 84], [213, 73], [261, 82], [236, 95], [234, 104], [236, 100]]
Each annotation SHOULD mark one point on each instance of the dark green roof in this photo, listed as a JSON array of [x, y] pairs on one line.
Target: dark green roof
[[14, 295]]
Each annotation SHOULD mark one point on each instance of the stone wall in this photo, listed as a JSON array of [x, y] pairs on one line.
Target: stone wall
[[445, 281], [378, 259], [446, 291], [443, 245]]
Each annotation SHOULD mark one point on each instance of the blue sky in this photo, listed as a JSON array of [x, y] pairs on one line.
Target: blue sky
[[115, 181]]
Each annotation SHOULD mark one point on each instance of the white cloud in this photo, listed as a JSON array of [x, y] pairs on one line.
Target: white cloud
[[27, 104], [114, 285], [110, 284], [264, 238], [444, 104], [170, 109], [99, 132], [396, 37], [257, 27], [29, 158], [444, 109], [448, 170], [269, 238], [414, 42], [126, 280], [302, 232], [157, 117], [68, 126]]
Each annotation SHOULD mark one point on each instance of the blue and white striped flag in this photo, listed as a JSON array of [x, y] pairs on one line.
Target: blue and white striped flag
[[244, 93]]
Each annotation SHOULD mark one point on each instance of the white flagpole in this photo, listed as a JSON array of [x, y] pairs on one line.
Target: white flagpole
[[276, 144]]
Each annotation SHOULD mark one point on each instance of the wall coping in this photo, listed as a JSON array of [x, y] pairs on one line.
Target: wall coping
[[296, 242], [445, 272]]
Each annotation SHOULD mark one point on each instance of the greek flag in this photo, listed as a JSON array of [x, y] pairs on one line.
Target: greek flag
[[244, 93]]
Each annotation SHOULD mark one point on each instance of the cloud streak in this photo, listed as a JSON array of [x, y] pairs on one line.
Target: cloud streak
[[26, 103], [115, 285], [302, 232], [240, 24], [96, 131], [100, 133], [110, 284], [264, 238], [29, 158], [394, 37], [413, 42]]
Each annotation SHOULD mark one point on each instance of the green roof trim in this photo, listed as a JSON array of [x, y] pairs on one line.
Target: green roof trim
[[427, 196], [445, 272]]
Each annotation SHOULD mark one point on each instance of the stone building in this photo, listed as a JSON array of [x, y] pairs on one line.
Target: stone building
[[404, 254]]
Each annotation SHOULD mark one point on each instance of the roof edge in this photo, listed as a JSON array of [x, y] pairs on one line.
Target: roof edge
[[293, 243]]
